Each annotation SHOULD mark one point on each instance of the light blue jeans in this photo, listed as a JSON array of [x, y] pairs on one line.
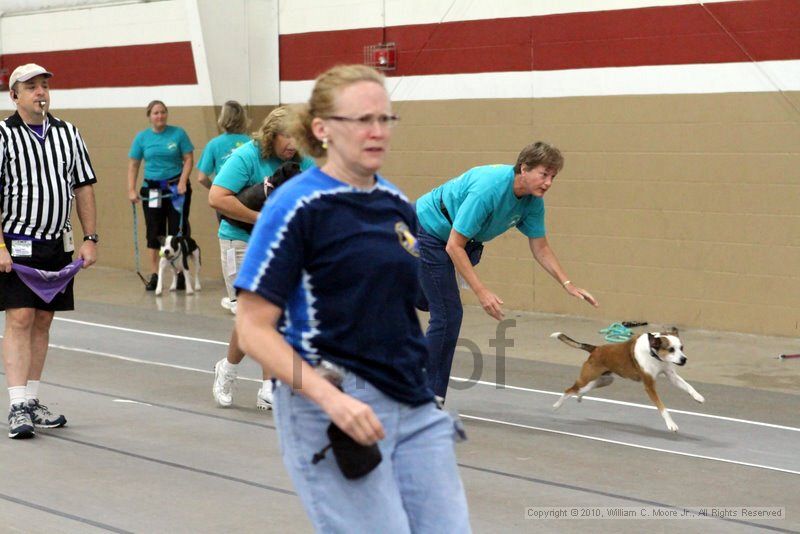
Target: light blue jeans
[[416, 488]]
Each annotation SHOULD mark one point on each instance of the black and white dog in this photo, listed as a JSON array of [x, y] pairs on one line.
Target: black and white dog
[[254, 196], [177, 253]]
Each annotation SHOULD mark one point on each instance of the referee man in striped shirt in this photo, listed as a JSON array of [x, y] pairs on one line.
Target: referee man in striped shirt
[[43, 164]]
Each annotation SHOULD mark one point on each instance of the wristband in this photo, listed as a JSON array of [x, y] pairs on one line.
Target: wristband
[[566, 282], [2, 245]]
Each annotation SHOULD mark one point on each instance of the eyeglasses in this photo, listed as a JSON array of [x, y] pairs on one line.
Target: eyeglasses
[[365, 121]]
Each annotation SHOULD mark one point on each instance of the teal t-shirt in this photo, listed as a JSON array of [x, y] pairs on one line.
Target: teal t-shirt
[[162, 152], [482, 205], [218, 150], [244, 168]]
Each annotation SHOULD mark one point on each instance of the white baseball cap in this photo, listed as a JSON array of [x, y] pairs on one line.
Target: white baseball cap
[[23, 73]]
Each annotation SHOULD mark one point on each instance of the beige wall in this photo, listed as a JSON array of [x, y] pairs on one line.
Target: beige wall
[[671, 209]]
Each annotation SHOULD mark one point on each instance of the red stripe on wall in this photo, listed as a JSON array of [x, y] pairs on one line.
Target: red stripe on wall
[[116, 66], [737, 31]]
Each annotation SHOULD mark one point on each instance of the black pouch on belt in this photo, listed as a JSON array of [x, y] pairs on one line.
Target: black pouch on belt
[[354, 460]]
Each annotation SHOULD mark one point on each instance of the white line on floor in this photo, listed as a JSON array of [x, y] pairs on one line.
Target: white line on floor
[[455, 378], [146, 332], [137, 360], [632, 404], [625, 443], [495, 421], [128, 401]]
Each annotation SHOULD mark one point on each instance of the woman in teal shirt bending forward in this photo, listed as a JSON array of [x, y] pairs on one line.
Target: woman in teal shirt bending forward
[[455, 220], [248, 165], [168, 156]]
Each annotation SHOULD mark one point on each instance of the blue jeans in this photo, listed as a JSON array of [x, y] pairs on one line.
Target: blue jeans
[[416, 487], [439, 285]]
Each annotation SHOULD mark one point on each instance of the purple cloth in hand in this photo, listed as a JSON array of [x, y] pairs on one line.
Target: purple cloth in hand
[[47, 284]]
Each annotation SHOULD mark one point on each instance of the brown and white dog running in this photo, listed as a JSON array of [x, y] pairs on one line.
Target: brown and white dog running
[[642, 358]]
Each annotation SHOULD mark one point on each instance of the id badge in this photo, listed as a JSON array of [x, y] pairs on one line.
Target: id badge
[[21, 248], [69, 242], [461, 282], [230, 262], [154, 198]]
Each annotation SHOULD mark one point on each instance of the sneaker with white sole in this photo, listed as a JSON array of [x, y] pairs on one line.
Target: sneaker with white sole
[[20, 425], [43, 417], [264, 396], [228, 304], [223, 384]]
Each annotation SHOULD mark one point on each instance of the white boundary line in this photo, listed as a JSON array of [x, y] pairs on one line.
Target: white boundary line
[[147, 332], [632, 404], [485, 419], [634, 445], [455, 378], [137, 360]]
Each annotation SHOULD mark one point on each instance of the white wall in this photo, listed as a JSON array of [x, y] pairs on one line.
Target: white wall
[[131, 24], [234, 47], [301, 16], [240, 38]]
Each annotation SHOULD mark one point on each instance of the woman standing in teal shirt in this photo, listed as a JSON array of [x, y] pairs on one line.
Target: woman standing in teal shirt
[[248, 165], [168, 156], [233, 123]]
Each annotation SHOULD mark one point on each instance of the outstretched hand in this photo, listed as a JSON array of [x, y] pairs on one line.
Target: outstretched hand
[[581, 293], [491, 303]]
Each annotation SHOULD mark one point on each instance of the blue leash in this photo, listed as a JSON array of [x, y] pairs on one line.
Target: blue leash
[[136, 242], [616, 333]]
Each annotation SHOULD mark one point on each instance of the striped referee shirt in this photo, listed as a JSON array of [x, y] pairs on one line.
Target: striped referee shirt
[[37, 179]]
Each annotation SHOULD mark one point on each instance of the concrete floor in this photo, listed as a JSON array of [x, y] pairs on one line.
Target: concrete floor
[[146, 450]]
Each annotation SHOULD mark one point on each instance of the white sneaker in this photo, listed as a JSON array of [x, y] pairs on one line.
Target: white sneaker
[[223, 385], [264, 397], [228, 304]]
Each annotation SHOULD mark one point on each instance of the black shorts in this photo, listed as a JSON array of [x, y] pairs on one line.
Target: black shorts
[[47, 255], [164, 220]]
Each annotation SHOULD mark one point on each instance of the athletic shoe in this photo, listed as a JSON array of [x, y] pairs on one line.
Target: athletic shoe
[[228, 304], [43, 417], [264, 396], [223, 385], [151, 285], [181, 284], [20, 425]]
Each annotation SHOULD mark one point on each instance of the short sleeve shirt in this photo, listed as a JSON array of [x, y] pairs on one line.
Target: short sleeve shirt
[[218, 150], [482, 205], [343, 264], [162, 152], [244, 168]]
